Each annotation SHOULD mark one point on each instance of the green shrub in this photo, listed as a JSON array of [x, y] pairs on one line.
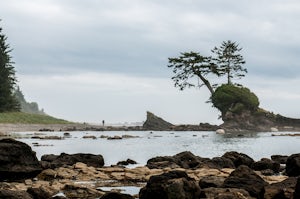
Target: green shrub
[[232, 98]]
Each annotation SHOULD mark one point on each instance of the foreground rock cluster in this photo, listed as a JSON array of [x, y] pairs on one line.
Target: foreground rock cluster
[[182, 176]]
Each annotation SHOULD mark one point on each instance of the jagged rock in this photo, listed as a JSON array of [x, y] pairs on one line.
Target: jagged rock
[[18, 161], [115, 195], [281, 190], [172, 185], [281, 159], [245, 178], [293, 165], [265, 164], [70, 159], [154, 122], [239, 158]]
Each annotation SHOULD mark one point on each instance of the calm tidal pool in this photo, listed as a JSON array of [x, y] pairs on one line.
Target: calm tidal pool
[[148, 144]]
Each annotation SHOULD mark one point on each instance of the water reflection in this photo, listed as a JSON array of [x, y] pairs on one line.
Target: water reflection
[[143, 145]]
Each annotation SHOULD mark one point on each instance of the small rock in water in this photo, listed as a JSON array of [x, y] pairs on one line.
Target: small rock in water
[[220, 131]]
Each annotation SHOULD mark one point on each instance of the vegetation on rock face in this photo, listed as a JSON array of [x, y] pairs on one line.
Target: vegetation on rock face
[[8, 80], [27, 107], [235, 99]]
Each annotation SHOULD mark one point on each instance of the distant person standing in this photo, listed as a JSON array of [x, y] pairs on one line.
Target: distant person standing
[[103, 122]]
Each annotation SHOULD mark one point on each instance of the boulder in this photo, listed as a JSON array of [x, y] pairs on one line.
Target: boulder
[[64, 159], [18, 161], [293, 165], [281, 159], [265, 164], [156, 123], [239, 158], [171, 185], [115, 195], [281, 190], [9, 194], [218, 163], [245, 178], [161, 162], [186, 160]]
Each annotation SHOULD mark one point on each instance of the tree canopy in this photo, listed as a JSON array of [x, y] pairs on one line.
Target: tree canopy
[[226, 61], [8, 80], [188, 65], [229, 61]]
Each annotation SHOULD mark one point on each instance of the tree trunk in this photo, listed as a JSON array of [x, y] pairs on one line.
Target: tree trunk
[[207, 84]]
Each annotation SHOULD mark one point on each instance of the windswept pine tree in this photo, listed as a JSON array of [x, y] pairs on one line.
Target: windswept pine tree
[[8, 102]]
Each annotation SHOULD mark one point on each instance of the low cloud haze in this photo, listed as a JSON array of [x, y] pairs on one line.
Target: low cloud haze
[[92, 60]]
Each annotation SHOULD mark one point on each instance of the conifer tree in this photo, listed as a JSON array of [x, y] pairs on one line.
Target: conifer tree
[[229, 61], [8, 80]]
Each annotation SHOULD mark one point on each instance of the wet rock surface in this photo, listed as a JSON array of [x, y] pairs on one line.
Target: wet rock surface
[[183, 175], [245, 178], [55, 161], [293, 165], [171, 185], [17, 160], [239, 158]]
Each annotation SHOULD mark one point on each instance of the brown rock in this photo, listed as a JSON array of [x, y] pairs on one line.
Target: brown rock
[[245, 178]]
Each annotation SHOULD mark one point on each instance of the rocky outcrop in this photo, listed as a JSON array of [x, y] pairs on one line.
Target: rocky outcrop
[[18, 161], [293, 165], [55, 161], [258, 121], [245, 178], [156, 123], [171, 185]]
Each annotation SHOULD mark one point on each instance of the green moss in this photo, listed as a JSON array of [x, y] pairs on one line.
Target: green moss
[[236, 99], [27, 118]]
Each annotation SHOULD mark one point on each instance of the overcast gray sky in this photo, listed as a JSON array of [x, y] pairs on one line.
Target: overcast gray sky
[[107, 59]]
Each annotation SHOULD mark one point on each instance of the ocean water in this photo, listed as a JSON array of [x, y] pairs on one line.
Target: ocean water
[[150, 144]]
